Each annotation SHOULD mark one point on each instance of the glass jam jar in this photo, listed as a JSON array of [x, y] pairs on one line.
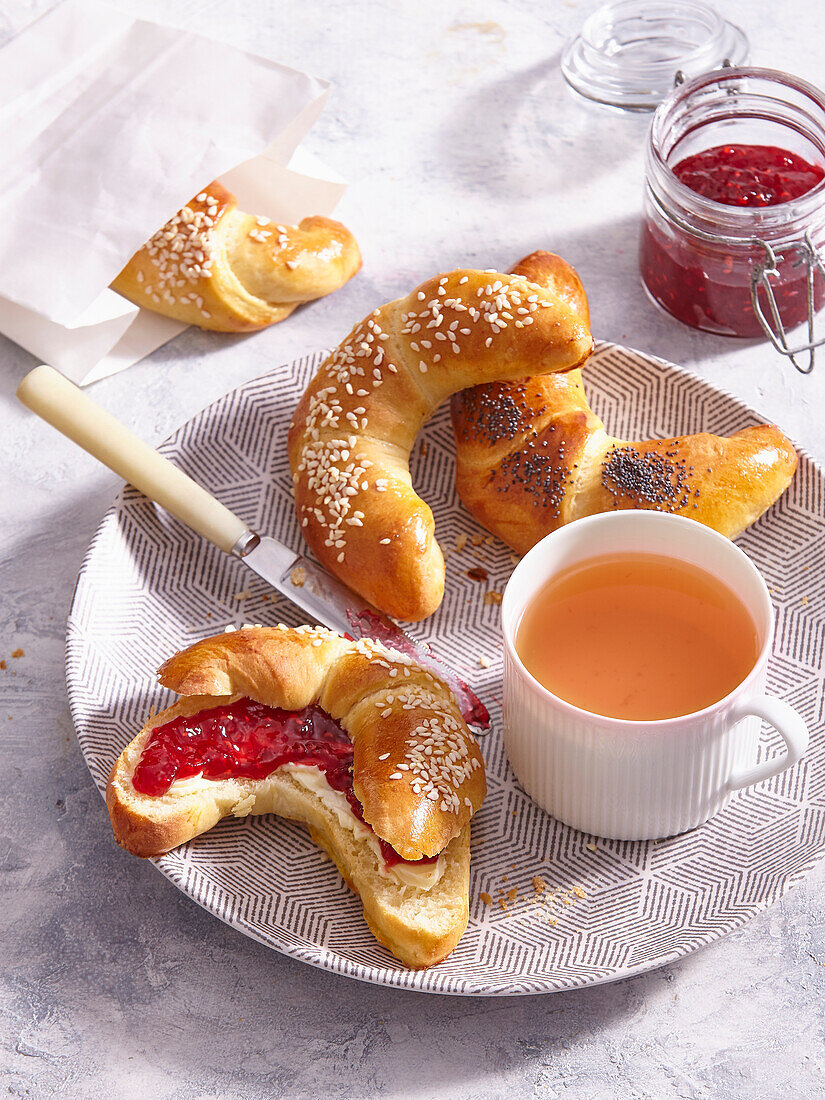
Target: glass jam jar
[[699, 257]]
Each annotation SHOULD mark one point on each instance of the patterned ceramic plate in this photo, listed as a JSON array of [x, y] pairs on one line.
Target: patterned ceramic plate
[[609, 909]]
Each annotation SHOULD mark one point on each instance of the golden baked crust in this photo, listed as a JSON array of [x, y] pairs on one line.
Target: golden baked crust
[[214, 266], [416, 942], [417, 769], [531, 455], [352, 433]]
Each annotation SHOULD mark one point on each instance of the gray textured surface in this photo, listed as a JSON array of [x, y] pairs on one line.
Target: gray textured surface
[[451, 124]]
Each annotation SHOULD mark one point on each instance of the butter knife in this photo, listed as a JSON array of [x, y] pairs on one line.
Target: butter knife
[[303, 582]]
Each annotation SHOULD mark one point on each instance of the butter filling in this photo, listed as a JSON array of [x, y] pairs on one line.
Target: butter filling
[[422, 877]]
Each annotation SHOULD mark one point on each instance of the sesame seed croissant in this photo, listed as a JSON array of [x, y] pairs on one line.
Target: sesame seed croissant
[[531, 455], [358, 742], [214, 266], [352, 433], [417, 769]]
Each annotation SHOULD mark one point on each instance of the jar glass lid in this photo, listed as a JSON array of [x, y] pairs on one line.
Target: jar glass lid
[[629, 54]]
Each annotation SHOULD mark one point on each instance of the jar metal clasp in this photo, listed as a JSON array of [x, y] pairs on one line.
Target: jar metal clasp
[[761, 275]]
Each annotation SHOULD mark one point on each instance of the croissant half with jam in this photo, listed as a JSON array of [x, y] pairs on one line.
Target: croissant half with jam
[[356, 741]]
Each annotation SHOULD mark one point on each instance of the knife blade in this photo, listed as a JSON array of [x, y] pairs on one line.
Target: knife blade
[[324, 598], [331, 603], [303, 582]]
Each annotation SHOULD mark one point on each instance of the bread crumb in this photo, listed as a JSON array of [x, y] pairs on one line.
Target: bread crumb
[[3, 664], [591, 847], [539, 885], [492, 598], [298, 576], [804, 600], [503, 904], [485, 662], [477, 539], [424, 448], [18, 653], [485, 897], [503, 878], [579, 892], [478, 573], [551, 920], [512, 894], [460, 543], [244, 595]]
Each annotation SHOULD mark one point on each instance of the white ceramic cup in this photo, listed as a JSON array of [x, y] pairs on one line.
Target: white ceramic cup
[[638, 780]]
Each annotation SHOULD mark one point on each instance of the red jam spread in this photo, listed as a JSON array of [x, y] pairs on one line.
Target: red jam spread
[[703, 285], [248, 740], [748, 175]]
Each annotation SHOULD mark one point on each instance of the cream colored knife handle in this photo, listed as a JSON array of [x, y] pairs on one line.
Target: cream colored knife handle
[[59, 402]]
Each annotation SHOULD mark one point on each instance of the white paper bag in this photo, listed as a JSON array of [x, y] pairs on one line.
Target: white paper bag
[[108, 125]]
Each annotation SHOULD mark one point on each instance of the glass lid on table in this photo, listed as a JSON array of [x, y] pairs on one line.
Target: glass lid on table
[[629, 55]]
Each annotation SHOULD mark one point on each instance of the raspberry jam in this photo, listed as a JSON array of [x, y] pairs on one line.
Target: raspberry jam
[[706, 288], [248, 740], [748, 175], [754, 183]]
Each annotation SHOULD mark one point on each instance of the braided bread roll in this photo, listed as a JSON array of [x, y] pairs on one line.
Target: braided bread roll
[[532, 455], [417, 772], [352, 433], [214, 266]]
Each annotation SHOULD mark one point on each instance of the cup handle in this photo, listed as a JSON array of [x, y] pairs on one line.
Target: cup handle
[[786, 721]]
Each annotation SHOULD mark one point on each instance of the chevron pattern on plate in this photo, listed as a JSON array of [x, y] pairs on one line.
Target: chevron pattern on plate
[[149, 586]]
